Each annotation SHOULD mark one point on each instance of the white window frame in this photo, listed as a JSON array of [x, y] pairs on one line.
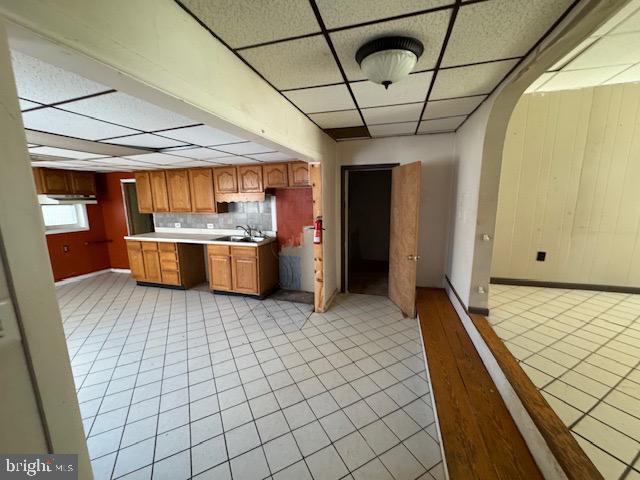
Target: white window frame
[[82, 225]]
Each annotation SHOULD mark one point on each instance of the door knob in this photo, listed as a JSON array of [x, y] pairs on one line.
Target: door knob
[[415, 258]]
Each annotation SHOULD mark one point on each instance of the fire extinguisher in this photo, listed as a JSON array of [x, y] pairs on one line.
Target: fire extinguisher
[[317, 231]]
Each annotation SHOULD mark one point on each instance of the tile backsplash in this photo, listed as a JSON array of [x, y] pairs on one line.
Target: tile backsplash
[[258, 215]]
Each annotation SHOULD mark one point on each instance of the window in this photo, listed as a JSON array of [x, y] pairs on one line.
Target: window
[[65, 218]]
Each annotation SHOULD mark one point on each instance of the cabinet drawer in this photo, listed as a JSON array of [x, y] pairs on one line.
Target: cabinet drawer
[[218, 249], [166, 247], [149, 246], [168, 257], [134, 245], [169, 265], [244, 251], [170, 277]]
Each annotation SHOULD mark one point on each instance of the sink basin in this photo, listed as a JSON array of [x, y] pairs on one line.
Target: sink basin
[[233, 238], [257, 239]]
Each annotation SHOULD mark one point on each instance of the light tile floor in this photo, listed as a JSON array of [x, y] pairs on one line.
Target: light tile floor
[[177, 385], [582, 350]]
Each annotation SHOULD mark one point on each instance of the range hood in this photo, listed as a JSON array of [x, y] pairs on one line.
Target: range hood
[[51, 199]]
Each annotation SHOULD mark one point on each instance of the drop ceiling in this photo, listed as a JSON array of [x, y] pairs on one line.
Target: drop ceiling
[[611, 55], [305, 50]]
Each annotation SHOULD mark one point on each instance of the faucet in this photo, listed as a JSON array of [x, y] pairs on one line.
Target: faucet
[[247, 229]]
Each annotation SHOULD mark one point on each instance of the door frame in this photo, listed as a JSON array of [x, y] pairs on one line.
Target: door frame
[[344, 210]]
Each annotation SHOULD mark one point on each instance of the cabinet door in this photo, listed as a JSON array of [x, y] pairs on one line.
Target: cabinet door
[[275, 176], [220, 272], [136, 260], [83, 183], [250, 178], [202, 197], [56, 182], [152, 266], [159, 191], [226, 180], [143, 192], [298, 174], [178, 190], [245, 274]]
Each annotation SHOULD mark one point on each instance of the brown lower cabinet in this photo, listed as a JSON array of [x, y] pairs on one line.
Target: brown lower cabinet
[[249, 270], [164, 263]]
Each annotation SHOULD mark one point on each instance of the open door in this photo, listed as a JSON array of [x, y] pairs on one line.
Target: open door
[[403, 243]]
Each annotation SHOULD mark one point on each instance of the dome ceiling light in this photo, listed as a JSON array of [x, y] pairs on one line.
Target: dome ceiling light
[[388, 60]]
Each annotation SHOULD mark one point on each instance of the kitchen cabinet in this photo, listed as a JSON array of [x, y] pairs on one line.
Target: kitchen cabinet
[[178, 191], [166, 263], [159, 193], [143, 192], [225, 180], [220, 268], [249, 270], [250, 178], [52, 181], [136, 260], [244, 269], [298, 174], [151, 262], [275, 176], [83, 183], [201, 186]]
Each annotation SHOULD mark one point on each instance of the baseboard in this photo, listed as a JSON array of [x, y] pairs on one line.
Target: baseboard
[[468, 310], [328, 303], [84, 276], [564, 285], [479, 311]]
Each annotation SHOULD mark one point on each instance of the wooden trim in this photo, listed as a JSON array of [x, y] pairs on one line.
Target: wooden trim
[[574, 462], [565, 285], [315, 178]]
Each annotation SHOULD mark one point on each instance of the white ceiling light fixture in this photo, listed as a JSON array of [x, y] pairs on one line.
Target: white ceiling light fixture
[[388, 60]]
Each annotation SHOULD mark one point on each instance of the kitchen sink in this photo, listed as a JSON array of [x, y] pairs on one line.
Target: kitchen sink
[[239, 239]]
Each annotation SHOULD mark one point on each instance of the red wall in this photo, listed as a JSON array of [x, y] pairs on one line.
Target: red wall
[[295, 211], [88, 251]]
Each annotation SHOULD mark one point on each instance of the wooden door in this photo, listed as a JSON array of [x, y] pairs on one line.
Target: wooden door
[[275, 176], [298, 174], [158, 181], [143, 192], [152, 270], [136, 260], [56, 182], [83, 183], [225, 180], [403, 246], [250, 178], [245, 274], [178, 190], [220, 272], [201, 185]]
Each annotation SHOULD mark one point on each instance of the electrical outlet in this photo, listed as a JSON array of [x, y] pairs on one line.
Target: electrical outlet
[[177, 225], [65, 248], [209, 225], [541, 256]]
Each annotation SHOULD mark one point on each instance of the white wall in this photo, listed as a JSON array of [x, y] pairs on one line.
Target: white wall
[[436, 152], [569, 186]]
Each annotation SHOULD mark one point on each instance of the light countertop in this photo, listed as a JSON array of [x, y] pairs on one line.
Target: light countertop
[[199, 238]]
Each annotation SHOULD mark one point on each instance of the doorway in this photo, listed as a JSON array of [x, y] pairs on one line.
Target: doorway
[[137, 222], [366, 222]]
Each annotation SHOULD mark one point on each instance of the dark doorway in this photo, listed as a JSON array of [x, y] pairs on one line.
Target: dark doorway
[[367, 218], [137, 222]]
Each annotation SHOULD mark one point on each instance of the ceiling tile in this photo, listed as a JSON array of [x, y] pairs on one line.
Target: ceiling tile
[[574, 53], [392, 129], [500, 29], [235, 160], [198, 153], [129, 111], [120, 161], [344, 118], [57, 121], [26, 104], [298, 63], [411, 89], [449, 108], [441, 124], [244, 148], [64, 153], [40, 82], [339, 14], [624, 13], [629, 75], [573, 79], [610, 50], [201, 135], [429, 28], [158, 158], [321, 99], [392, 114], [632, 23], [248, 22], [473, 80], [539, 82], [272, 157], [147, 140]]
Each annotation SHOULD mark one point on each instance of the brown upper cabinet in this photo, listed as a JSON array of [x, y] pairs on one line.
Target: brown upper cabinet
[[225, 180], [143, 191], [275, 175], [64, 182], [159, 191], [201, 186], [298, 174], [250, 178], [178, 190]]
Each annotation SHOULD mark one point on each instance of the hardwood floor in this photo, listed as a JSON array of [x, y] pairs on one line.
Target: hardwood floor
[[480, 439]]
